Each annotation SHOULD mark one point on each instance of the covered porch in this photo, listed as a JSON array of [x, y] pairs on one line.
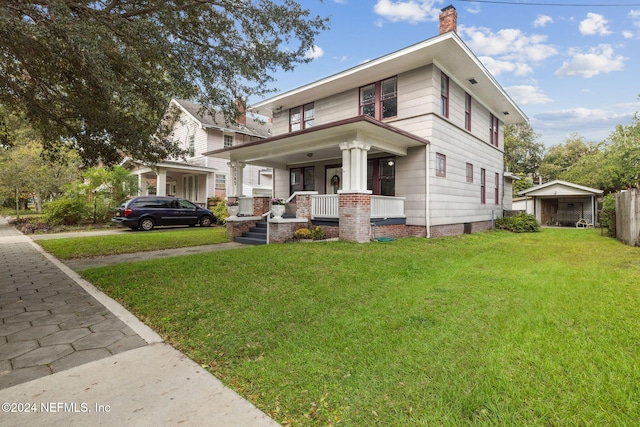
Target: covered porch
[[173, 179], [338, 174]]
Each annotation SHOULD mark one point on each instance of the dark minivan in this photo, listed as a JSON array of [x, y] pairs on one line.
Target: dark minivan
[[146, 212]]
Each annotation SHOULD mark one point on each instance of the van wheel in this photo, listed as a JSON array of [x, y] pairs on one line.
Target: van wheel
[[205, 221], [146, 224]]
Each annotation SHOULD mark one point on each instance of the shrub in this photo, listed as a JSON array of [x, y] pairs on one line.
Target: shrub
[[67, 211], [521, 223], [317, 233], [607, 214], [303, 233], [220, 210]]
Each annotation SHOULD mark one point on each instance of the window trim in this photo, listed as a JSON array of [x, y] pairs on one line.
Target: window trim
[[494, 127], [468, 100], [303, 121], [378, 99], [444, 95], [497, 189], [441, 171]]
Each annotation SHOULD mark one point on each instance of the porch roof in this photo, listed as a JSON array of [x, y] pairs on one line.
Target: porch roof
[[321, 143], [559, 188], [168, 165]]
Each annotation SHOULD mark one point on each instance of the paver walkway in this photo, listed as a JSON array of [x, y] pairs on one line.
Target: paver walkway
[[62, 356], [49, 323]]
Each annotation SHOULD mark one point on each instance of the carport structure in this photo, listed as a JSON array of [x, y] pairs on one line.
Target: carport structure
[[562, 203]]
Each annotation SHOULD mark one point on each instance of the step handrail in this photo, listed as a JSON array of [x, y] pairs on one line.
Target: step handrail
[[267, 214]]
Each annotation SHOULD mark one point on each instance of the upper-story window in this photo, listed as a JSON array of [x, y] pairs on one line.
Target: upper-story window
[[192, 143], [467, 112], [302, 117], [493, 129], [444, 95], [228, 140], [380, 100]]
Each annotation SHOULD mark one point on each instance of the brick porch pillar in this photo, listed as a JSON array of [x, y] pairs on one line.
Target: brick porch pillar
[[355, 217]]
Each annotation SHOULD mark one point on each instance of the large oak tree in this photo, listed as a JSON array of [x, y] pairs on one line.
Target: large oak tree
[[101, 73]]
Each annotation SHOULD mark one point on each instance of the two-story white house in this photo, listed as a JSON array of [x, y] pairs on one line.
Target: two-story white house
[[199, 177], [408, 144]]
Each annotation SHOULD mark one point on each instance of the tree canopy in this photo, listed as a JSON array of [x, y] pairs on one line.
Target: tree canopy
[[522, 152], [101, 73]]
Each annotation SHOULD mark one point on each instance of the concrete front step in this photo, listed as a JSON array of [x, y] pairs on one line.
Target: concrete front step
[[255, 236]]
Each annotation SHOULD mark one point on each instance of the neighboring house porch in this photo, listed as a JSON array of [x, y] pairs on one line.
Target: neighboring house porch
[[180, 179]]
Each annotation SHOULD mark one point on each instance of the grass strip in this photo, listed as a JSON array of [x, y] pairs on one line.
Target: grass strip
[[92, 246]]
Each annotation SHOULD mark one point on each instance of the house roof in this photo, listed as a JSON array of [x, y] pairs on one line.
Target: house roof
[[447, 51], [319, 143], [254, 127], [559, 188]]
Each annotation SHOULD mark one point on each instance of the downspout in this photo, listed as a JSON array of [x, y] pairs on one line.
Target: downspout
[[427, 204]]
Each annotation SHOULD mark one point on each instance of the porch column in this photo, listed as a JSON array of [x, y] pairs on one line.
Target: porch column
[[354, 166], [142, 185], [161, 183], [237, 173]]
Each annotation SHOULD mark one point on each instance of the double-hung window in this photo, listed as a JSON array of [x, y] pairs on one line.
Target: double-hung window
[[497, 189], [493, 129], [441, 165], [469, 172], [380, 100], [302, 117], [228, 141], [444, 95], [467, 112]]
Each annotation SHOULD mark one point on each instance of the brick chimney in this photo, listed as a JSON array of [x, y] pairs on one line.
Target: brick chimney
[[448, 19], [242, 118]]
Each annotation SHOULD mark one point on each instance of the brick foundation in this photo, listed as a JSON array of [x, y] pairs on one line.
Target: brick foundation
[[235, 228]]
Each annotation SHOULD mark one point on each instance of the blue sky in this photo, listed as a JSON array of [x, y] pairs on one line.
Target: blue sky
[[571, 69]]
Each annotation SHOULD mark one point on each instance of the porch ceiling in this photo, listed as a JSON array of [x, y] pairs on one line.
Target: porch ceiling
[[321, 143]]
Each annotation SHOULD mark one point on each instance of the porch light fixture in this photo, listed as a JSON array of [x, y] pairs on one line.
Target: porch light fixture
[[506, 113], [391, 163], [473, 81]]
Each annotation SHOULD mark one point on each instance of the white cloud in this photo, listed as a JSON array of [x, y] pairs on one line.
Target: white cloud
[[412, 11], [508, 50], [528, 95], [542, 21], [594, 24], [597, 60], [497, 67], [474, 9], [628, 34], [314, 52]]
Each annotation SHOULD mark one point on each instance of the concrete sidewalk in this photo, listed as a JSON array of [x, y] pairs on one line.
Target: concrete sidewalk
[[70, 355]]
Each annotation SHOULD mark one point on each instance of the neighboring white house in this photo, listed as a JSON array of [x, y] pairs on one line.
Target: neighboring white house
[[560, 203], [413, 139], [201, 177]]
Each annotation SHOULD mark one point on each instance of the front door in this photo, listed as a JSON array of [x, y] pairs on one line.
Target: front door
[[333, 179]]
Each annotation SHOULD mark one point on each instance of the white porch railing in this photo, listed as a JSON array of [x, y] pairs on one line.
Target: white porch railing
[[326, 206], [387, 207], [246, 206]]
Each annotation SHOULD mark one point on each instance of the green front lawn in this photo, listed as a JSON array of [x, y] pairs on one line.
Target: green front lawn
[[483, 329], [135, 241]]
